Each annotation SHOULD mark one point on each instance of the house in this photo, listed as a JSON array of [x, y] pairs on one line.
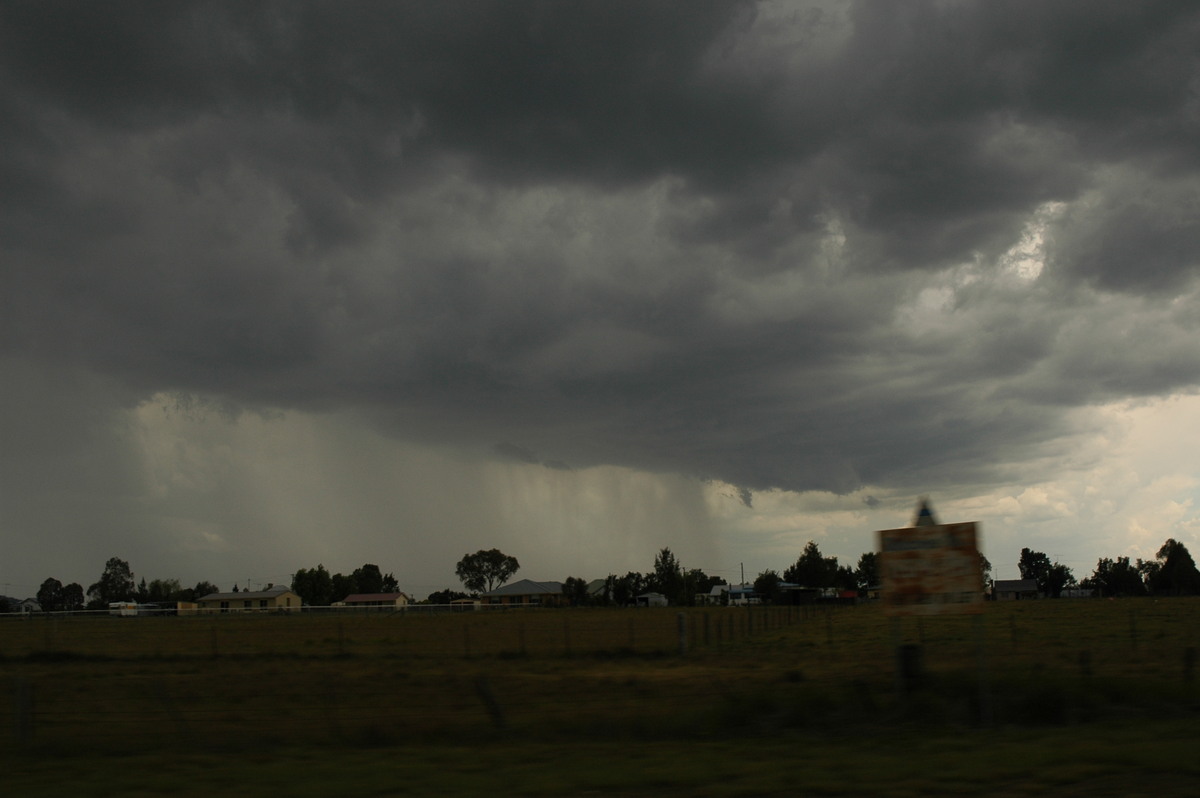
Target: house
[[526, 593], [376, 602], [25, 606], [275, 598], [1014, 589], [652, 600]]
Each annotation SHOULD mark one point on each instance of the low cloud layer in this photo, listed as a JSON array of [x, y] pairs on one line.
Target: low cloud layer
[[809, 246]]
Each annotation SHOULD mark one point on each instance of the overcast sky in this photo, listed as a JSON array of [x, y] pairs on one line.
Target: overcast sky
[[299, 283]]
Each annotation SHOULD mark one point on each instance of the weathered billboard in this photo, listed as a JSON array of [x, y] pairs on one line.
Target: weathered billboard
[[930, 569]]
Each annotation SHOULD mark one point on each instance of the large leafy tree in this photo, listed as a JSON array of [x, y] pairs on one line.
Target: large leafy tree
[[1177, 575], [985, 573], [163, 590], [485, 570], [668, 576], [766, 586], [866, 575], [343, 586], [50, 595], [72, 597], [368, 579], [575, 592], [1051, 577], [116, 584], [1116, 578], [445, 596], [1034, 565], [202, 589], [812, 569], [314, 586]]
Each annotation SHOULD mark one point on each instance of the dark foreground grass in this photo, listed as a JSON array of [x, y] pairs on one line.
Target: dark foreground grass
[[1113, 759], [1042, 698]]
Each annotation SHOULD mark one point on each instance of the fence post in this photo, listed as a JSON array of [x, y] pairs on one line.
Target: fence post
[[22, 711], [682, 634]]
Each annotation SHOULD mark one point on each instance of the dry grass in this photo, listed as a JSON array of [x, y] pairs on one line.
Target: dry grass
[[598, 681]]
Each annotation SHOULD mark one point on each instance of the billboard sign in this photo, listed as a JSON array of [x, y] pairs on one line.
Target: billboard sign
[[930, 569]]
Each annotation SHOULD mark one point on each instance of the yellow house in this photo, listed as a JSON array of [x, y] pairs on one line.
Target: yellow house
[[273, 599], [378, 602]]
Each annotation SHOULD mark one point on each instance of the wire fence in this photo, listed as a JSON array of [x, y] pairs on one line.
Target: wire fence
[[234, 681]]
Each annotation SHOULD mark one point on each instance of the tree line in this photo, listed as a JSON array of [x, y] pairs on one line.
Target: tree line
[[1172, 573]]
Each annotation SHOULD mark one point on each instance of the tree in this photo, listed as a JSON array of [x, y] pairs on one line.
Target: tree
[[163, 590], [668, 577], [1034, 565], [50, 595], [697, 583], [343, 586], [483, 571], [390, 585], [575, 592], [812, 569], [314, 587], [624, 590], [368, 579], [866, 575], [202, 589], [444, 596], [766, 586], [843, 577], [1115, 578], [985, 574], [116, 584], [1051, 577], [1177, 576], [72, 597]]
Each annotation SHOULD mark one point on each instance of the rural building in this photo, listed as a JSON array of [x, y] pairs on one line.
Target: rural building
[[273, 599], [652, 600], [526, 593], [377, 602], [1014, 589]]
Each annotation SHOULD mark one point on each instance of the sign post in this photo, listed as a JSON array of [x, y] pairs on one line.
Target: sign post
[[927, 569]]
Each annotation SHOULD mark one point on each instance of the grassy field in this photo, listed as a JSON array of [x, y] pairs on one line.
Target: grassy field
[[1051, 697]]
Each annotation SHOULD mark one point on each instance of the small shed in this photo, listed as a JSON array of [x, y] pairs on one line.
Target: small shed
[[652, 600]]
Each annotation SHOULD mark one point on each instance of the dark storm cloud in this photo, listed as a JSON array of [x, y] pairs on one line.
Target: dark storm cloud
[[767, 243]]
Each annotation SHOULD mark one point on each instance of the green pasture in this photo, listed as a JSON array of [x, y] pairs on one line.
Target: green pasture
[[1044, 697]]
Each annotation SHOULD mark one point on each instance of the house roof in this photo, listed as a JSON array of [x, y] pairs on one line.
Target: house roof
[[527, 587], [360, 598], [278, 590], [1015, 584]]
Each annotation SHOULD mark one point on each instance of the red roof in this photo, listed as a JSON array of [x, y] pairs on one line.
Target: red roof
[[365, 598]]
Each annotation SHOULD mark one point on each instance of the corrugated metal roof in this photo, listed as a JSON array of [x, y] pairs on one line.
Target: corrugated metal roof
[[247, 594], [356, 598], [526, 587]]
